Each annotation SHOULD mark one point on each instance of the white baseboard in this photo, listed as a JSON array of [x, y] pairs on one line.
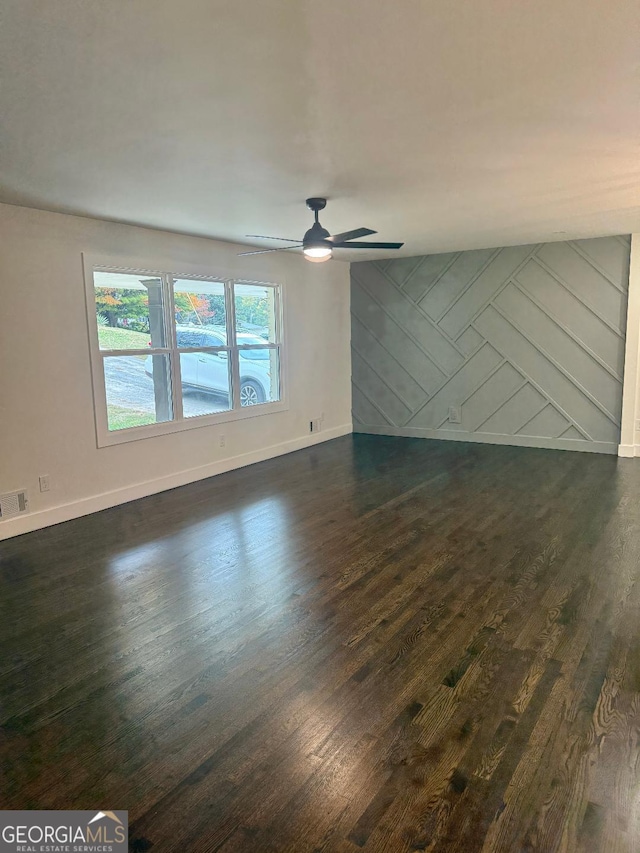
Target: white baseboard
[[489, 438], [95, 503], [628, 451]]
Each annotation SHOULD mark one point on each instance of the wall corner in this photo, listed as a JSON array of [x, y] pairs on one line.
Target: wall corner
[[631, 377]]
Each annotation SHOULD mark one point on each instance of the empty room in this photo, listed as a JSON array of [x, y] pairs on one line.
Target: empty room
[[319, 426]]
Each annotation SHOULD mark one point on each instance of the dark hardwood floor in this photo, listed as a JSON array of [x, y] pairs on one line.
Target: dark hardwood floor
[[375, 644]]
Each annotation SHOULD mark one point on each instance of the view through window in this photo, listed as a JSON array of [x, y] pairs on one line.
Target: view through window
[[178, 348]]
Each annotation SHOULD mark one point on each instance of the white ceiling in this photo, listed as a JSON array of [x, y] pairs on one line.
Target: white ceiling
[[448, 124]]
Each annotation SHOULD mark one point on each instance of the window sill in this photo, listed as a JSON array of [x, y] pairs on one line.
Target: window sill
[[106, 438]]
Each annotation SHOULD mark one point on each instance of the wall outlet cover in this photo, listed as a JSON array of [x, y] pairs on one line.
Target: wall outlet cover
[[455, 415]]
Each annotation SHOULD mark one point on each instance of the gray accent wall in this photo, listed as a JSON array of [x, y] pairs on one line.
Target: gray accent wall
[[527, 342]]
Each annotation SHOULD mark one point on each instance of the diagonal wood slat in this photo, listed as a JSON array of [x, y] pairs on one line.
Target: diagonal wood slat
[[552, 314]]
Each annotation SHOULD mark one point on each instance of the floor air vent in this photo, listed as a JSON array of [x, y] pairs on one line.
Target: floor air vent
[[12, 504]]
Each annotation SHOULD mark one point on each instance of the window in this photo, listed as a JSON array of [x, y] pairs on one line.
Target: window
[[171, 352]]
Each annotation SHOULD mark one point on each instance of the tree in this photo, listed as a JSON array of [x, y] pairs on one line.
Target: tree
[[119, 304], [252, 310], [201, 309]]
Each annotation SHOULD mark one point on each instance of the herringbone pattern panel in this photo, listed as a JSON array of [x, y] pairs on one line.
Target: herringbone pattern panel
[[527, 341]]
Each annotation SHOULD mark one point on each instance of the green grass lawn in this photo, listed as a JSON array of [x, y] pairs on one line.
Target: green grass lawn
[[121, 418], [122, 338]]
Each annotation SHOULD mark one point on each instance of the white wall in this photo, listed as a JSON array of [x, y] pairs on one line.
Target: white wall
[[46, 403]]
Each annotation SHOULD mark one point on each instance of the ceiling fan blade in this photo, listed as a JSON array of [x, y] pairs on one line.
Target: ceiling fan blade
[[368, 245], [265, 251], [262, 237], [350, 235]]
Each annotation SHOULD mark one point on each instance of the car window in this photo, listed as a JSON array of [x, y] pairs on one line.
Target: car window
[[189, 337], [212, 339]]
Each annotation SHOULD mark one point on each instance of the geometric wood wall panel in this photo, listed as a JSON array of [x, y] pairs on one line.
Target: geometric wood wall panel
[[526, 341]]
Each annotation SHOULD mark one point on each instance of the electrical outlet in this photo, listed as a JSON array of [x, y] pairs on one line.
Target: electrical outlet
[[455, 415], [638, 424], [315, 425], [45, 485], [223, 441]]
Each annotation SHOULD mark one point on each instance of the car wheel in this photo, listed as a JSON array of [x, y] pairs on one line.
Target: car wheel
[[251, 393]]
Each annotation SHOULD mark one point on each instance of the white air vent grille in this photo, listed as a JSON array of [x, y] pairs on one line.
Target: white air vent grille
[[12, 504]]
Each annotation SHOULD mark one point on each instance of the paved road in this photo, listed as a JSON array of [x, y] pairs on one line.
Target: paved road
[[130, 387]]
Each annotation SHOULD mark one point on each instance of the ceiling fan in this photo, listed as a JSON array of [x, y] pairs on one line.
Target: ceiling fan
[[317, 244]]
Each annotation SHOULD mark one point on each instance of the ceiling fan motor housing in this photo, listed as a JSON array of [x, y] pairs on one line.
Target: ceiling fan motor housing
[[316, 235]]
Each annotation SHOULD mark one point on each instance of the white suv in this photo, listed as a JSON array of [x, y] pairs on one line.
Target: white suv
[[209, 371]]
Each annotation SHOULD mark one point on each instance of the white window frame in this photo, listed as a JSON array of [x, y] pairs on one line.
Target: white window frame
[[106, 437]]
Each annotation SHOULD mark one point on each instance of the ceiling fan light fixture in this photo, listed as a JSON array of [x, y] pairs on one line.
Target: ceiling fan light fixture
[[317, 254]]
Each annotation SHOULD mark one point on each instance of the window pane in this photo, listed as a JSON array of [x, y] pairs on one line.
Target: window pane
[[256, 311], [205, 383], [129, 310], [259, 376], [199, 305], [138, 390]]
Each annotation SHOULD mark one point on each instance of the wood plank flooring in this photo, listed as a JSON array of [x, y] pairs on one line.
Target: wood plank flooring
[[375, 644]]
